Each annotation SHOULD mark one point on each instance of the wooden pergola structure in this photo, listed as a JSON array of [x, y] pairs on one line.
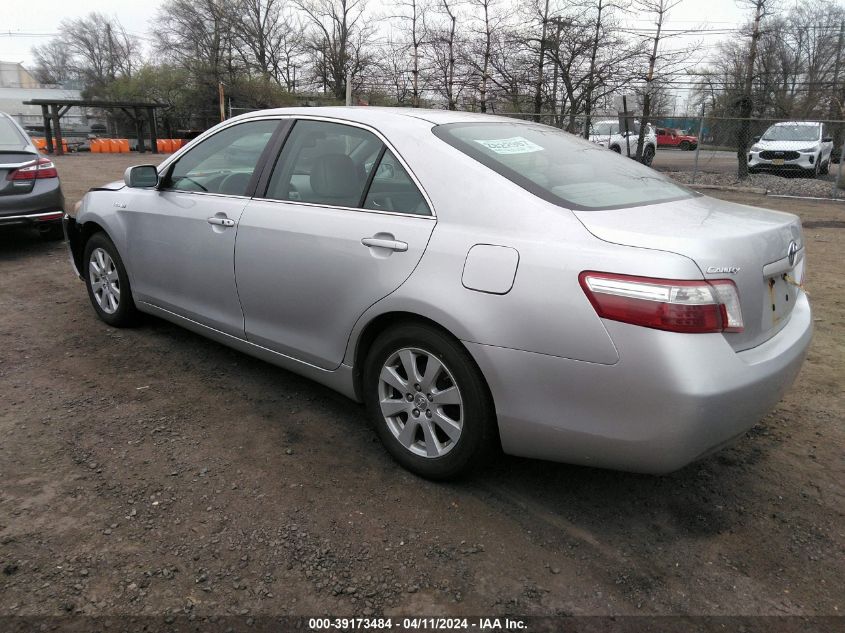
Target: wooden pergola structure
[[54, 109]]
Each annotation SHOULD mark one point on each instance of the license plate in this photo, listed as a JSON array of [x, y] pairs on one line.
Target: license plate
[[777, 161]]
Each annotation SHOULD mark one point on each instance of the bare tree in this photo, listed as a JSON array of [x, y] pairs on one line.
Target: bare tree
[[761, 8], [442, 49], [96, 48], [268, 39], [411, 15], [338, 40], [52, 63], [659, 9]]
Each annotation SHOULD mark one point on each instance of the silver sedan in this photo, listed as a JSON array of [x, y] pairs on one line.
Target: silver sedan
[[477, 282]]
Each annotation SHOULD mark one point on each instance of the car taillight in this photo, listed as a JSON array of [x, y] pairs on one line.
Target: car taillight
[[41, 168], [665, 304]]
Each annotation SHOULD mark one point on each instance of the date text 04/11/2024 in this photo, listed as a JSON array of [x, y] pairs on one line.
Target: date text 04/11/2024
[[490, 625]]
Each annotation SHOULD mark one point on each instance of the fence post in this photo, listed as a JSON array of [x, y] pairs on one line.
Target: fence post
[[625, 115], [835, 193], [698, 145], [349, 88]]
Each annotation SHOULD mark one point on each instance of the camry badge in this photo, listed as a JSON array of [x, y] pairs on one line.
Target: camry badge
[[792, 252], [730, 270]]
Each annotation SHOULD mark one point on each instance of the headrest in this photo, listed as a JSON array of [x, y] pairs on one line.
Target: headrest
[[334, 176]]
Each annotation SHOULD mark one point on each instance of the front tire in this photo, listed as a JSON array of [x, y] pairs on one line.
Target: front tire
[[429, 402], [685, 146], [108, 283], [825, 168]]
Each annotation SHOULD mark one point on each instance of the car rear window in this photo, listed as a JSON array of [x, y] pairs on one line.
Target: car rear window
[[9, 134], [560, 167]]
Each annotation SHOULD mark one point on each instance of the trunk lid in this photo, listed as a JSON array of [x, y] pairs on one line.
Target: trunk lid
[[747, 245], [9, 160]]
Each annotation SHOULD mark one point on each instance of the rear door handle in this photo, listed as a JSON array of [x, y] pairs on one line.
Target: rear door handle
[[221, 221], [394, 245]]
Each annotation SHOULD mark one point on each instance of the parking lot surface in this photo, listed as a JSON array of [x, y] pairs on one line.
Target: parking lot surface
[[149, 471]]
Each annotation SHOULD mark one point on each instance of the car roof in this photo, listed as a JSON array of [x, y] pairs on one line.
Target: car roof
[[374, 114], [796, 123]]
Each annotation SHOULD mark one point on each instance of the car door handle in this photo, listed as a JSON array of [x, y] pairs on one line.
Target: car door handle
[[394, 245], [221, 221]]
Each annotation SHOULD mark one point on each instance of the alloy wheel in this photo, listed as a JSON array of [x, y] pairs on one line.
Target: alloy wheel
[[421, 402], [105, 281]]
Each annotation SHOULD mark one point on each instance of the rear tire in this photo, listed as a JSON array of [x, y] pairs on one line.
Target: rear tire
[[440, 422], [648, 155], [615, 148], [685, 146], [107, 282]]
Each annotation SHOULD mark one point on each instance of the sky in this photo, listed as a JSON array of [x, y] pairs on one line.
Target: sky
[[22, 28]]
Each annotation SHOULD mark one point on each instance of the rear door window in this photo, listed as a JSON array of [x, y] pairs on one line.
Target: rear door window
[[393, 190], [325, 163]]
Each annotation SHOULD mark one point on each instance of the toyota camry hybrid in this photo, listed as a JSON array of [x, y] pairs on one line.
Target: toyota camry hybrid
[[476, 281]]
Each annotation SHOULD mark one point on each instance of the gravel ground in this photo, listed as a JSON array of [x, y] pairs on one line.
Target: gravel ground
[[151, 472], [778, 185]]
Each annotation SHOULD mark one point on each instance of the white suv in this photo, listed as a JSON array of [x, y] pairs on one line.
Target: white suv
[[607, 134], [792, 146]]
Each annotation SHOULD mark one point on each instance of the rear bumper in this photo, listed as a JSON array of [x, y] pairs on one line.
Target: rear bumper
[[45, 203], [671, 399], [44, 217]]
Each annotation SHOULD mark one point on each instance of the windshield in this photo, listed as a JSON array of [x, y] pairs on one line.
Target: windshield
[[605, 128], [792, 133], [560, 167]]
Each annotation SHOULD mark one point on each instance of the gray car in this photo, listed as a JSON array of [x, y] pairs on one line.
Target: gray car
[[476, 281], [30, 191]]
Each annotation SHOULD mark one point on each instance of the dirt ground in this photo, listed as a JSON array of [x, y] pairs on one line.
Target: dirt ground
[[153, 472]]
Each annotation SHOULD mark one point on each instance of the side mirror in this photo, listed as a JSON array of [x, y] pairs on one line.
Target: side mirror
[[827, 139], [756, 138], [141, 176]]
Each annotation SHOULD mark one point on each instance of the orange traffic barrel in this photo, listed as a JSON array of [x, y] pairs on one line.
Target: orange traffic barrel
[[124, 145], [114, 145], [94, 144]]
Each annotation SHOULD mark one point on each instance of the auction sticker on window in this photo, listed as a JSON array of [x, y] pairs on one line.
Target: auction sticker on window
[[512, 145]]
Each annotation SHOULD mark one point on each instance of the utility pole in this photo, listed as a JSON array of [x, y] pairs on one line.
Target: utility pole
[[349, 87], [837, 109], [746, 104], [538, 94], [111, 50], [588, 101], [222, 101]]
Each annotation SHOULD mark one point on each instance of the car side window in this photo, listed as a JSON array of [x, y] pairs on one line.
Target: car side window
[[223, 163], [325, 163], [393, 190]]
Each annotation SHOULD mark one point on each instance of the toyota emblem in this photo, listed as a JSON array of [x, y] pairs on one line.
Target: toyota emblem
[[792, 252]]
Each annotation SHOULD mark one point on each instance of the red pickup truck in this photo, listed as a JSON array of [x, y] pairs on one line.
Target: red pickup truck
[[667, 137]]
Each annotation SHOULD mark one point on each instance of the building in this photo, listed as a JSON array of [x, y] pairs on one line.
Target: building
[[18, 85]]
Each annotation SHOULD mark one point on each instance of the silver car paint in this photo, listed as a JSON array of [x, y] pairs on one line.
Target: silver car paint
[[179, 261], [566, 384], [309, 316]]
